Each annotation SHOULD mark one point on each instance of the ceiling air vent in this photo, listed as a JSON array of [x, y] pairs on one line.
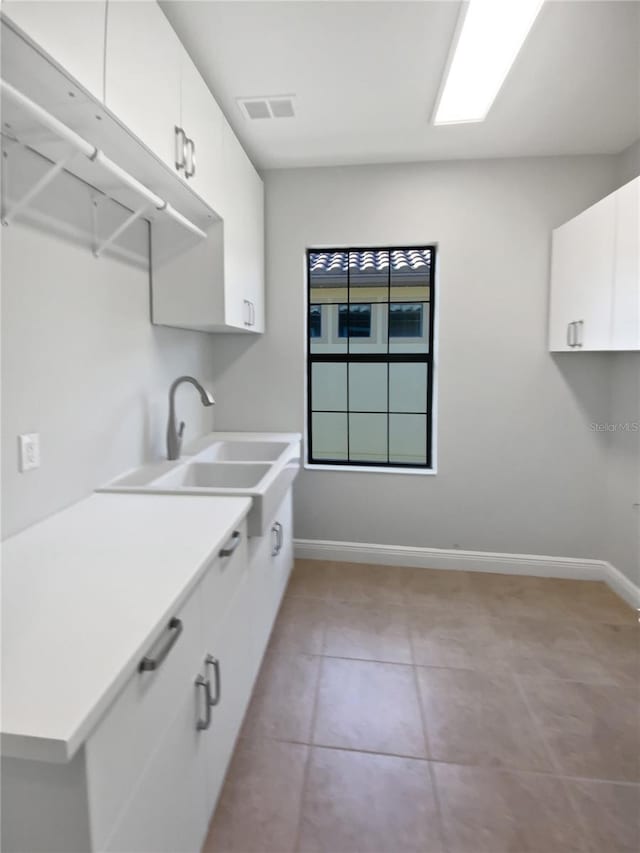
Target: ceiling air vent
[[267, 106]]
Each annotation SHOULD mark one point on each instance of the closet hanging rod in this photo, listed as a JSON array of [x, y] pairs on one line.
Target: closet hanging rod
[[96, 155]]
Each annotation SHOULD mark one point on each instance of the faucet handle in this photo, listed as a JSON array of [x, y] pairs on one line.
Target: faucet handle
[[181, 429]]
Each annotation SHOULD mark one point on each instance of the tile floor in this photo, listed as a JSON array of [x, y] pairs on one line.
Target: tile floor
[[407, 710]]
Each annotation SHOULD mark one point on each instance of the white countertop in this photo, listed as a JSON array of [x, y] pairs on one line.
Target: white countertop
[[82, 593]]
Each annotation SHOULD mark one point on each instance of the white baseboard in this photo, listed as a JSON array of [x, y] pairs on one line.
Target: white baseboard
[[621, 585], [471, 561]]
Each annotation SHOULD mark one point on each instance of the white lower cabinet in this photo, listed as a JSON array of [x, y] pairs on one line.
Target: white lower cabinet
[[271, 561], [169, 808], [231, 669], [148, 777]]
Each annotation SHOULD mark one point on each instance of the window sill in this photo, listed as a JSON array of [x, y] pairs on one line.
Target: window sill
[[358, 469]]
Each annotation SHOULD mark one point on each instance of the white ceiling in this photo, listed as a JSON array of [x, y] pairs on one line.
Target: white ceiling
[[366, 76]]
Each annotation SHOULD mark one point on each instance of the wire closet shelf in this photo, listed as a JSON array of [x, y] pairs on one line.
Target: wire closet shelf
[[77, 145]]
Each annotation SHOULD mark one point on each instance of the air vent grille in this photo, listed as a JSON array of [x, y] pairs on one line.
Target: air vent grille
[[267, 106]]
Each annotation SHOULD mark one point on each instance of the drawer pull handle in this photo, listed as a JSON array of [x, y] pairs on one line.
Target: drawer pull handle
[[277, 529], [231, 545], [201, 725], [147, 664], [215, 663]]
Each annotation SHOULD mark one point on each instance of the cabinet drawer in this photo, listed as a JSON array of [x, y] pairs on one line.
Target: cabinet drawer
[[124, 740], [168, 812], [221, 582]]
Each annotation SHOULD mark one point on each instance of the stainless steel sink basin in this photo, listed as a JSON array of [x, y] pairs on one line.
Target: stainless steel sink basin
[[243, 451], [213, 475]]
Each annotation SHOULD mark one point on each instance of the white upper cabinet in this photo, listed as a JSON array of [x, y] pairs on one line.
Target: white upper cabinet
[[143, 69], [71, 33], [202, 121], [595, 285], [626, 292], [243, 214], [127, 55], [221, 278]]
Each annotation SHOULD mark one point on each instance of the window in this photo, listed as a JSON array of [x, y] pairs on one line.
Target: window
[[405, 320], [315, 321], [369, 357], [354, 321]]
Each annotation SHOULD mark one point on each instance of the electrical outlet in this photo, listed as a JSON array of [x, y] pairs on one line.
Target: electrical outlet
[[29, 447]]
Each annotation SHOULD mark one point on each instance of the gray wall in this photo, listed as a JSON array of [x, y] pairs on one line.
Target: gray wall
[[81, 363], [623, 451], [519, 468], [628, 164]]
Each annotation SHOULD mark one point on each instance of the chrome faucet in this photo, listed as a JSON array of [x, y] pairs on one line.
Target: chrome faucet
[[174, 436]]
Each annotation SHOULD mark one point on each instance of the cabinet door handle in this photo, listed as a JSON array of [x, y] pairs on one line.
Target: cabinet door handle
[[247, 312], [579, 332], [180, 147], [277, 529], [190, 167], [569, 334], [149, 662], [231, 545], [252, 308], [201, 725], [215, 663]]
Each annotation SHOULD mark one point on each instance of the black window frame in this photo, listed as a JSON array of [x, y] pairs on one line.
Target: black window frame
[[374, 358]]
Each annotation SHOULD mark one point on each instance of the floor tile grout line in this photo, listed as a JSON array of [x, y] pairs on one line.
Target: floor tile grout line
[[483, 767], [290, 650], [554, 762], [310, 747], [425, 734], [478, 610], [536, 725]]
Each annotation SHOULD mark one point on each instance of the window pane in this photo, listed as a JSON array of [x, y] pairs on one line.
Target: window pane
[[329, 387], [329, 435], [330, 340], [376, 339], [405, 318], [354, 321], [369, 276], [368, 388], [328, 277], [368, 438], [408, 387], [410, 275], [408, 439], [315, 321]]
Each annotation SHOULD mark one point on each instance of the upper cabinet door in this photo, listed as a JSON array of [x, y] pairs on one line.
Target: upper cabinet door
[[202, 121], [243, 214], [143, 64], [594, 274], [71, 33], [565, 243], [626, 288], [582, 280]]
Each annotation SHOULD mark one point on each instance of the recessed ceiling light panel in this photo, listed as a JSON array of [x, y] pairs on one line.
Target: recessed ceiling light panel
[[267, 106], [489, 39]]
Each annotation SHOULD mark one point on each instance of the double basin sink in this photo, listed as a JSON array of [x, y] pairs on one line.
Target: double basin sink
[[261, 466]]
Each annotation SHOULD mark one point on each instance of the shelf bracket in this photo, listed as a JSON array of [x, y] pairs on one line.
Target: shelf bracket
[[100, 247], [35, 190]]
